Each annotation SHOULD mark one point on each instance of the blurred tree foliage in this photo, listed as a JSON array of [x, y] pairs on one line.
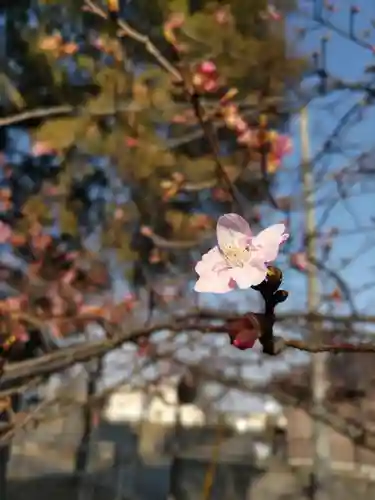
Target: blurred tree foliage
[[126, 158]]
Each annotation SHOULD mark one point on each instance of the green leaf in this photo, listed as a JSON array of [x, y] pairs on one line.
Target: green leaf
[[68, 221], [85, 62], [7, 87], [179, 6], [61, 133], [36, 207]]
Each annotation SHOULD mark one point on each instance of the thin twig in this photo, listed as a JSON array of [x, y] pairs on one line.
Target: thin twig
[[333, 348]]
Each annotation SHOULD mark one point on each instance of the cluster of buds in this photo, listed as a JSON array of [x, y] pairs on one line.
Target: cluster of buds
[[245, 331], [206, 77], [279, 145]]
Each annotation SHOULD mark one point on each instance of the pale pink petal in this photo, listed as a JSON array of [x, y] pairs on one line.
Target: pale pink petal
[[233, 230], [268, 241], [250, 275], [214, 283], [210, 260]]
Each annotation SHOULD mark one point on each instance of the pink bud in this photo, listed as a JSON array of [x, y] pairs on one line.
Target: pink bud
[[207, 67], [241, 126], [245, 343], [131, 142], [244, 332], [146, 231], [299, 261], [210, 86]]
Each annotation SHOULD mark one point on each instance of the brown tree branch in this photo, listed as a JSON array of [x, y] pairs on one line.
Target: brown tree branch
[[333, 348], [66, 357]]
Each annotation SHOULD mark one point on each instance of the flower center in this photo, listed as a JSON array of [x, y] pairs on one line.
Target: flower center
[[236, 256]]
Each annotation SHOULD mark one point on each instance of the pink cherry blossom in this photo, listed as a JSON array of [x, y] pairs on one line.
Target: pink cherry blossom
[[239, 258]]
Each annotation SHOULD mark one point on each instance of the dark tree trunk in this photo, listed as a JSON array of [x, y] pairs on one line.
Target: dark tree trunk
[[83, 450]]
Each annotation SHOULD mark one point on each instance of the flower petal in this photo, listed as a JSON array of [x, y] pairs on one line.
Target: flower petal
[[210, 260], [251, 274], [269, 240], [232, 230], [214, 283]]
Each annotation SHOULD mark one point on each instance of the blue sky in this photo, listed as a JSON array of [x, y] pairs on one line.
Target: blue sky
[[346, 61]]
